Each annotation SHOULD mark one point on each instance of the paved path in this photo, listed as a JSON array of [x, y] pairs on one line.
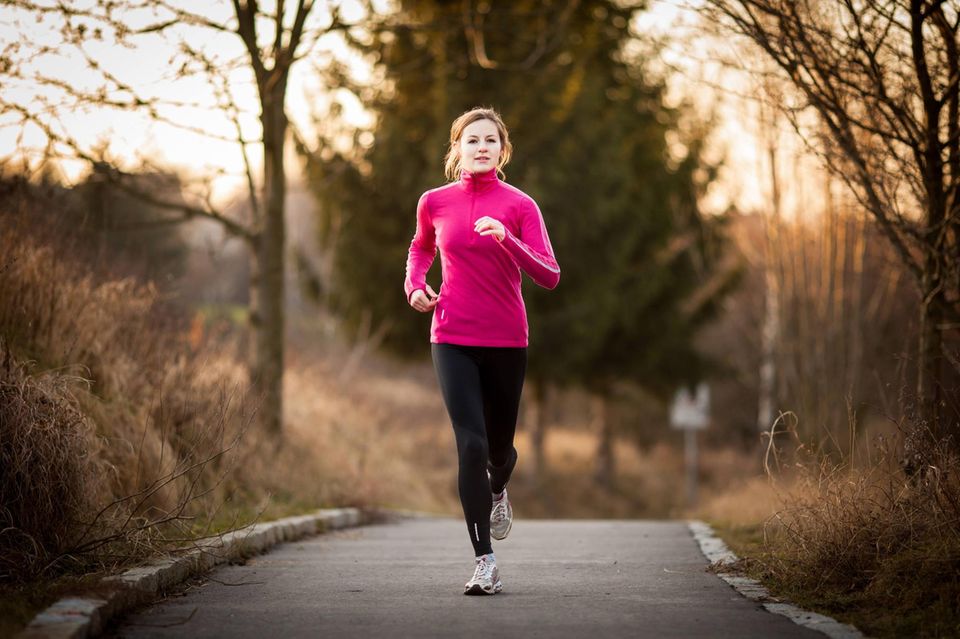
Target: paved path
[[561, 579]]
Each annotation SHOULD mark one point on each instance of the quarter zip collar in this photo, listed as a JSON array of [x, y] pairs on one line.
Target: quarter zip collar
[[478, 182]]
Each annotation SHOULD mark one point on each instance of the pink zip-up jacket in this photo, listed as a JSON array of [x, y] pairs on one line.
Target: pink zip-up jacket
[[480, 303]]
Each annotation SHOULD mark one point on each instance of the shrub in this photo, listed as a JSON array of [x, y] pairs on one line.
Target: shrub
[[113, 429]]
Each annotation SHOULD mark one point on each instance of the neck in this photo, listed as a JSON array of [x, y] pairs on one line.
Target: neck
[[478, 181]]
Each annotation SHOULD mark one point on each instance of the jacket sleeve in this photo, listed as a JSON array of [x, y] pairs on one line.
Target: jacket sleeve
[[532, 250], [423, 249]]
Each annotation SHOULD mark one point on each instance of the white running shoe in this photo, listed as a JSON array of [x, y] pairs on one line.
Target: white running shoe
[[486, 578], [501, 517]]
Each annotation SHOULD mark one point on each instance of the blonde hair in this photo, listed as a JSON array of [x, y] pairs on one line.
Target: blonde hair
[[451, 164]]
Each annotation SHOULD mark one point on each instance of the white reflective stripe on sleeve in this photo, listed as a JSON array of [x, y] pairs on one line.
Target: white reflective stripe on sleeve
[[536, 259]]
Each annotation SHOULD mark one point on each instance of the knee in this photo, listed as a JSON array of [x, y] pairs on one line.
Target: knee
[[474, 451], [504, 459]]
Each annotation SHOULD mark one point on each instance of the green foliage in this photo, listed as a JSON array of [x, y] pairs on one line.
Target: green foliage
[[589, 131]]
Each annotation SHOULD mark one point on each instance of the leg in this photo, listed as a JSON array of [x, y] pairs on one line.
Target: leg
[[459, 375], [501, 378]]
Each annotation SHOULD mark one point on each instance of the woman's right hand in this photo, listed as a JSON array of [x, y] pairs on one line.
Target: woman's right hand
[[424, 301]]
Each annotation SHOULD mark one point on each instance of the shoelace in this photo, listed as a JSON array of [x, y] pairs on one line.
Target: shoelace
[[500, 511], [484, 570]]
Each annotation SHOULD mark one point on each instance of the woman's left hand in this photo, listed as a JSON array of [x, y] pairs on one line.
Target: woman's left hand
[[488, 226]]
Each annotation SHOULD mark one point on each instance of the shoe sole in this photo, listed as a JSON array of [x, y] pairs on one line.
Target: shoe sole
[[477, 589]]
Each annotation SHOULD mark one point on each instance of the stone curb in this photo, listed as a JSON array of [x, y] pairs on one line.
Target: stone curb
[[83, 617], [717, 553]]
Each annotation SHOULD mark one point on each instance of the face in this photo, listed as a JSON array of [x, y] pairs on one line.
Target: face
[[480, 146]]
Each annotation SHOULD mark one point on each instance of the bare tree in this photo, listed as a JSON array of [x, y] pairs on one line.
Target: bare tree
[[770, 331], [884, 78], [266, 41]]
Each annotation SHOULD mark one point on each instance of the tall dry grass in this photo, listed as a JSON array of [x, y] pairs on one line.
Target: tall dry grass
[[381, 434], [857, 538], [113, 432], [48, 475]]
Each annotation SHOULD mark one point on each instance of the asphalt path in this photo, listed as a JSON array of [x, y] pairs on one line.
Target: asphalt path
[[560, 579]]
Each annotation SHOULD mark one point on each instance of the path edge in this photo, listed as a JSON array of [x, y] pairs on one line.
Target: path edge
[[82, 617], [719, 556]]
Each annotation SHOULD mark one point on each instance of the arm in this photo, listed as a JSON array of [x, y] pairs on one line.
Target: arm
[[532, 251], [423, 248]]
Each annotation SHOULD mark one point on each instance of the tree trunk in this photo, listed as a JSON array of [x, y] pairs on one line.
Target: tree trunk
[[606, 463], [537, 425], [857, 310], [770, 330], [266, 273], [930, 370]]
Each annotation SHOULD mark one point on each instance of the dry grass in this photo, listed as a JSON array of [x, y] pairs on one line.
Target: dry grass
[[742, 504], [388, 440], [648, 482], [381, 437], [113, 433], [863, 542], [49, 477]]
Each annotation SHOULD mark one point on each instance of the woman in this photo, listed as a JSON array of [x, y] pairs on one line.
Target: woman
[[487, 232]]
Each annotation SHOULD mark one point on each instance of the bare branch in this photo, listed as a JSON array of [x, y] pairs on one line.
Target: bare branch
[[285, 56], [224, 94], [194, 19], [120, 179], [247, 30], [951, 95], [189, 212], [278, 36]]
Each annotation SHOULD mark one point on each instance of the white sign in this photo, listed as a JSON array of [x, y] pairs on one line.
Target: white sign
[[691, 412]]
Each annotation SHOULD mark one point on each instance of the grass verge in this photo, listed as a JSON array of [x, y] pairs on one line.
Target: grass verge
[[867, 545]]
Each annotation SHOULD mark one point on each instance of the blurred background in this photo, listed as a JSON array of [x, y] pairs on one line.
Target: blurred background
[[205, 212]]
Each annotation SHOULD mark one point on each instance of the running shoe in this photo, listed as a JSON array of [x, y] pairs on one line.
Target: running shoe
[[501, 517], [486, 578]]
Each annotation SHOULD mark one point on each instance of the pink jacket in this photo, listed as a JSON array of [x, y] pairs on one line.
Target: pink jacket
[[480, 302]]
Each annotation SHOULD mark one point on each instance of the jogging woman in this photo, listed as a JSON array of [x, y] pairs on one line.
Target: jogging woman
[[487, 232]]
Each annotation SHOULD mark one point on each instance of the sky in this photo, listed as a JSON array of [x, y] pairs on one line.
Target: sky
[[689, 60]]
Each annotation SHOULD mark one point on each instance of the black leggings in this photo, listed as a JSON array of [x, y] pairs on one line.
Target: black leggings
[[481, 387]]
